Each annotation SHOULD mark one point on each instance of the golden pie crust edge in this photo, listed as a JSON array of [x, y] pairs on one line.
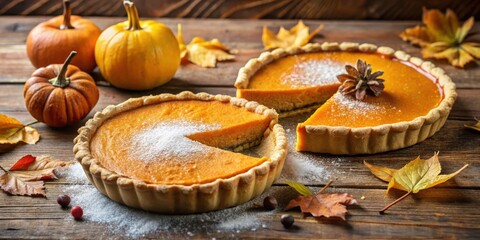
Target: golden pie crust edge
[[365, 140], [181, 199]]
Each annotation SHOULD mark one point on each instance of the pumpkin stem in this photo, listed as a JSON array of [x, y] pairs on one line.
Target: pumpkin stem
[[62, 80], [132, 13], [67, 13]]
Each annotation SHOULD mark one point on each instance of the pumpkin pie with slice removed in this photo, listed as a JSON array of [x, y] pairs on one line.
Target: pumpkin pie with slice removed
[[182, 153], [413, 102]]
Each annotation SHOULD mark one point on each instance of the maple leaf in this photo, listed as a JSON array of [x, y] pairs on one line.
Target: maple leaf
[[13, 131], [201, 52], [474, 127], [320, 204], [25, 177], [295, 37], [415, 176], [442, 37]]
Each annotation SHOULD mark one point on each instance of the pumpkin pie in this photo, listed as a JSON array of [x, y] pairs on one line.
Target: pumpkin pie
[[415, 103], [182, 153]]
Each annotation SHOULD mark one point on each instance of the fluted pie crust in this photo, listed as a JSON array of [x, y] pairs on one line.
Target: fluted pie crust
[[359, 140], [177, 198]]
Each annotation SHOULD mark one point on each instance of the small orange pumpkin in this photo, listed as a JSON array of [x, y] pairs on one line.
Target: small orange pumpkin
[[51, 41], [137, 55], [60, 95]]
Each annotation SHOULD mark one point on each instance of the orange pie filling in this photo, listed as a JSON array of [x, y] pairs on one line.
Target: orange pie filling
[[179, 142], [293, 82], [409, 93]]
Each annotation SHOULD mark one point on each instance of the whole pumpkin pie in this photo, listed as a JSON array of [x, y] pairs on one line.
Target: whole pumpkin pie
[[181, 153], [416, 99]]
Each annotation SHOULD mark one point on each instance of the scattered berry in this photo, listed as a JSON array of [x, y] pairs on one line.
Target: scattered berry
[[77, 212], [287, 220], [270, 203], [63, 200]]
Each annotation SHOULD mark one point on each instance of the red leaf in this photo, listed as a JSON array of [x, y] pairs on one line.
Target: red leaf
[[24, 177], [23, 163]]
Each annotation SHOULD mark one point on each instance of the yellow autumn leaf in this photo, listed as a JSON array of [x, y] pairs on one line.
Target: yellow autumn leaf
[[420, 174], [295, 37], [417, 175], [201, 52], [442, 37], [476, 126], [13, 131], [383, 173]]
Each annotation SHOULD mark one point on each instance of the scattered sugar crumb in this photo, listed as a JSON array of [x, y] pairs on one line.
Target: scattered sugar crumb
[[305, 167]]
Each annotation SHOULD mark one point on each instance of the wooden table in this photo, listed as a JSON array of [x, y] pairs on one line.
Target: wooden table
[[451, 210]]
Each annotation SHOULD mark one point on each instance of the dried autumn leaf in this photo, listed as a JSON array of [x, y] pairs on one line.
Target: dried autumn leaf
[[25, 176], [417, 175], [295, 37], [201, 52], [476, 126], [442, 37], [13, 131], [320, 205]]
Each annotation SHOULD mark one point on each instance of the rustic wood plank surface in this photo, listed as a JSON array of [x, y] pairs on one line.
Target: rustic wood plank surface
[[448, 211]]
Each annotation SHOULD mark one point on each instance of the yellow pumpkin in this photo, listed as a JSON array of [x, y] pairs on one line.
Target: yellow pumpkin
[[137, 55]]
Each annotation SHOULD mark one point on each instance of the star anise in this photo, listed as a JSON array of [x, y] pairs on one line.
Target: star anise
[[361, 81]]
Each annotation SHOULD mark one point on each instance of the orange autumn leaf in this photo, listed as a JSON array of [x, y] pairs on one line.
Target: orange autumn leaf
[[320, 204], [297, 36], [442, 37], [13, 131], [26, 176], [201, 52]]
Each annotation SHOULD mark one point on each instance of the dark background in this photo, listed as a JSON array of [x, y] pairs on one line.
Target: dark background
[[252, 9]]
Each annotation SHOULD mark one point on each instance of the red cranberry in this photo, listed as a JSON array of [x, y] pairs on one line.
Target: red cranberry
[[77, 212]]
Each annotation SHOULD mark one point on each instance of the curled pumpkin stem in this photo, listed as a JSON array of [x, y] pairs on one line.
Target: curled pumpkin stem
[[67, 13], [62, 80], [133, 18]]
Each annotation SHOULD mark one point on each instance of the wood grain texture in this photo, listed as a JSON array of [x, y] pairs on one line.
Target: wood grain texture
[[241, 35], [248, 9], [447, 211]]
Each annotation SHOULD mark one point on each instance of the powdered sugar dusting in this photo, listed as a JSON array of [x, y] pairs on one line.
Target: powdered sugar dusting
[[304, 167], [313, 72], [355, 105], [168, 139]]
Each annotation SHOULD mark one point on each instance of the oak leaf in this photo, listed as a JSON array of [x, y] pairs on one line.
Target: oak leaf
[[26, 176], [13, 131], [415, 176], [442, 37], [476, 126], [320, 204], [201, 52], [295, 37]]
